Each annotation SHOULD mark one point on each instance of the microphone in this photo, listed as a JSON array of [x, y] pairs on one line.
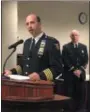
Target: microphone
[[15, 44]]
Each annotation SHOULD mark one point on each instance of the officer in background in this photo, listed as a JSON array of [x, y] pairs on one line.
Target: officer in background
[[75, 59], [41, 54]]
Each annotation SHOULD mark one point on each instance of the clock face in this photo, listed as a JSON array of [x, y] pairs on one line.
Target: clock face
[[82, 18]]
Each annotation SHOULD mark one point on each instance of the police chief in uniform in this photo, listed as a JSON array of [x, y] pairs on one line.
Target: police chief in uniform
[[41, 54], [75, 59]]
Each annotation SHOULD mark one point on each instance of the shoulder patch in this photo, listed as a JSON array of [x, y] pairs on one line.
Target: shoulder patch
[[57, 46]]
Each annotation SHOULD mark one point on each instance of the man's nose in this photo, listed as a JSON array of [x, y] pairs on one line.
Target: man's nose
[[29, 25]]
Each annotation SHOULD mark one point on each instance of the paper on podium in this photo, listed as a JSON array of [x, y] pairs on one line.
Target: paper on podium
[[87, 77], [59, 78], [18, 77]]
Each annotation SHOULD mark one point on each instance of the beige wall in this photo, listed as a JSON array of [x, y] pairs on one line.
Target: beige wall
[[9, 31], [58, 19]]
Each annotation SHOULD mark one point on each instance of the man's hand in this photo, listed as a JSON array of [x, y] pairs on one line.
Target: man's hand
[[77, 73], [34, 76], [7, 73]]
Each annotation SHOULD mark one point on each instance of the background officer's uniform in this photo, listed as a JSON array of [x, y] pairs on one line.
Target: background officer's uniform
[[75, 57], [44, 57]]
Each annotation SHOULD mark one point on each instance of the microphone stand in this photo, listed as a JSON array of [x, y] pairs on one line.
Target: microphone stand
[[7, 59]]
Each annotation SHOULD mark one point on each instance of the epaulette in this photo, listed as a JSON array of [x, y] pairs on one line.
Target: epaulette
[[52, 38]]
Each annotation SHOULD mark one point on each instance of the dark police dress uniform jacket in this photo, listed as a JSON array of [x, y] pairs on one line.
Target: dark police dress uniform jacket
[[74, 58], [44, 58]]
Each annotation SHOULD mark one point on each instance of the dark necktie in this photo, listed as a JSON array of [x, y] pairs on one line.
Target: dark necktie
[[33, 44], [32, 47], [76, 54], [76, 46]]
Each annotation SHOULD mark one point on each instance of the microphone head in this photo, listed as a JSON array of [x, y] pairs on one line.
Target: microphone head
[[15, 44], [20, 41]]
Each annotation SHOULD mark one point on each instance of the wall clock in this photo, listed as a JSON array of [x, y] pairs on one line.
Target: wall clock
[[82, 18]]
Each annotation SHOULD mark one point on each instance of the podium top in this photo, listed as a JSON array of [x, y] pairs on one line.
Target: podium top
[[41, 82]]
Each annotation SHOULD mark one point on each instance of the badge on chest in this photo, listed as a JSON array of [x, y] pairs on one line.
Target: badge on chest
[[41, 48], [82, 51]]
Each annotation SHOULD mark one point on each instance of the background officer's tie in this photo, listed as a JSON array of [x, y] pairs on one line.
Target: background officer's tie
[[76, 54], [76, 46]]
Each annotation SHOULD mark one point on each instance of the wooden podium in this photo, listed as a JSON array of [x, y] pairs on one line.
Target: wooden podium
[[28, 96], [26, 91]]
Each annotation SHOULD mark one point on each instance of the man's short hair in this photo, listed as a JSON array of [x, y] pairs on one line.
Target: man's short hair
[[38, 19]]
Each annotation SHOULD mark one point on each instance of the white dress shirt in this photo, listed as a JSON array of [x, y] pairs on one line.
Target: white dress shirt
[[75, 45], [38, 37]]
